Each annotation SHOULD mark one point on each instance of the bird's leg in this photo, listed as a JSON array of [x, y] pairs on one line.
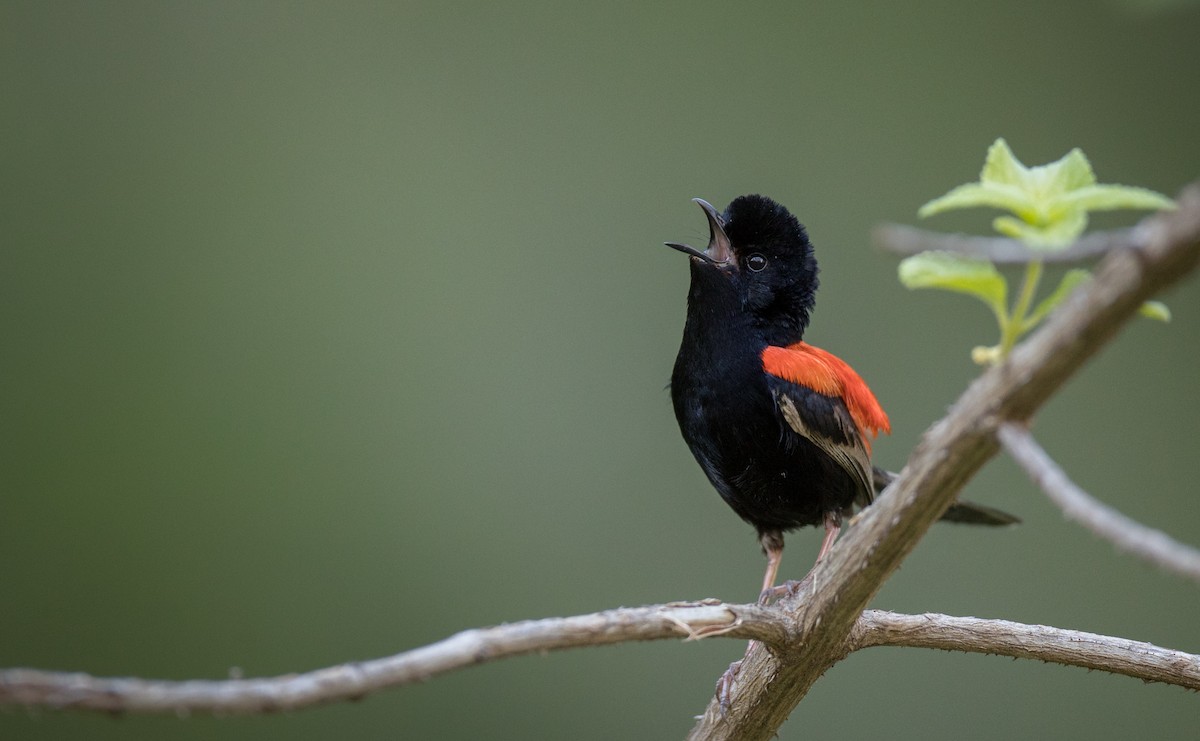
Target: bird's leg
[[772, 545], [833, 526]]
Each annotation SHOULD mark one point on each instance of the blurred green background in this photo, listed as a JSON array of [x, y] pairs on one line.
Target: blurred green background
[[328, 331]]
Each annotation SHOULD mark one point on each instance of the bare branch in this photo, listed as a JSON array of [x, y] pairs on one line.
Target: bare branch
[[350, 681], [693, 621], [1161, 250], [908, 240], [1136, 659], [1129, 535]]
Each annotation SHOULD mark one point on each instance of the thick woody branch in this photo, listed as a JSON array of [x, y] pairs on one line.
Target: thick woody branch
[[1160, 251], [350, 681], [1129, 535], [1136, 659], [907, 240]]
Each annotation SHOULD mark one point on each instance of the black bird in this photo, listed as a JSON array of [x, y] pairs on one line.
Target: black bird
[[782, 429]]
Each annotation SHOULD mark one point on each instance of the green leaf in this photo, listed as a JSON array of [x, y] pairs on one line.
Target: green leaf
[[1049, 202], [1001, 167], [1156, 310], [1055, 235], [972, 195], [1070, 281], [959, 273], [1113, 197], [1000, 186], [1071, 172]]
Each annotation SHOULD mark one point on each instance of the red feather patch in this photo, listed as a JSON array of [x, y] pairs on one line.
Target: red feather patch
[[828, 374]]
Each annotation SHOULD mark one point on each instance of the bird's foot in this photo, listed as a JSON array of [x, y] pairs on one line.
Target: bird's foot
[[725, 686], [788, 590]]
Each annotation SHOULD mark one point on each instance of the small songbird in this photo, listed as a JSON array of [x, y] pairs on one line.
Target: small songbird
[[782, 429]]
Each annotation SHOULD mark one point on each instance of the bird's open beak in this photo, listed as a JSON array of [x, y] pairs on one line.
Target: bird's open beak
[[719, 251]]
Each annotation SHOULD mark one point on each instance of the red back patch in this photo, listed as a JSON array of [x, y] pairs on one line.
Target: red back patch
[[827, 374]]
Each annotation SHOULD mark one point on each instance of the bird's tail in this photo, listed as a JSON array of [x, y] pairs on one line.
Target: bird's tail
[[977, 514], [965, 512]]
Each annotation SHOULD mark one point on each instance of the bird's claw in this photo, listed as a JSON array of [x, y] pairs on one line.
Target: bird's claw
[[789, 589], [725, 686]]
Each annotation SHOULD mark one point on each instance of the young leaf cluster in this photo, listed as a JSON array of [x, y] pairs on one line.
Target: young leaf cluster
[[1048, 209]]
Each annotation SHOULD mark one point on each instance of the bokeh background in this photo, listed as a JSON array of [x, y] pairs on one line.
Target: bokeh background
[[329, 330]]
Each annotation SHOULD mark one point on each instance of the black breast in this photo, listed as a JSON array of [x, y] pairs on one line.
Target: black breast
[[772, 477]]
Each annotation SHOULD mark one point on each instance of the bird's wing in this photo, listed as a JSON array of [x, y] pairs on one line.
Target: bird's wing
[[825, 401], [829, 375]]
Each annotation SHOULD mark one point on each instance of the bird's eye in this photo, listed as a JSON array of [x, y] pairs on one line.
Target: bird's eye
[[756, 262]]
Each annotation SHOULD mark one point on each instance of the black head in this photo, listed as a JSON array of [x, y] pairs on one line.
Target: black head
[[764, 254]]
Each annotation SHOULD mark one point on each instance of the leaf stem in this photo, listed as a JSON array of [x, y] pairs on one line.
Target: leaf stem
[[1012, 330]]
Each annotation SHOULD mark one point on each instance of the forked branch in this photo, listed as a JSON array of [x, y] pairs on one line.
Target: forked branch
[[62, 690]]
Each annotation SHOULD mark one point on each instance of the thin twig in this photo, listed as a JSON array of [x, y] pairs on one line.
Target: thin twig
[[693, 620], [1136, 659], [1129, 535], [907, 240]]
